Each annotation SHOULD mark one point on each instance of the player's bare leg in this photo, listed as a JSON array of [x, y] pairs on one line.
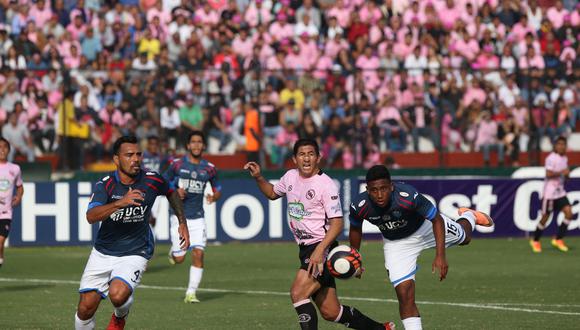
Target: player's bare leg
[[331, 310], [195, 275], [535, 242], [121, 297], [2, 241], [302, 289], [88, 304], [407, 308], [558, 242]]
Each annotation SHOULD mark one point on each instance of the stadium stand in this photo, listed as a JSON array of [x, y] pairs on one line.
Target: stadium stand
[[413, 79]]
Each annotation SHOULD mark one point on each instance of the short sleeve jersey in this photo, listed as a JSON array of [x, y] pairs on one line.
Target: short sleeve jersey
[[126, 231], [10, 177], [153, 162], [192, 178], [311, 203], [554, 187], [405, 213]]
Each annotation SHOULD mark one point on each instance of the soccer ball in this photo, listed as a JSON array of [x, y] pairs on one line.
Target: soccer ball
[[344, 262]]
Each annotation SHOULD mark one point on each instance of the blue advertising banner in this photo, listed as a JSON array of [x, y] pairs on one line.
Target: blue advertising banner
[[54, 213]]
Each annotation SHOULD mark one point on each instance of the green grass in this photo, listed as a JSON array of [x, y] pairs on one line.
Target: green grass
[[492, 284]]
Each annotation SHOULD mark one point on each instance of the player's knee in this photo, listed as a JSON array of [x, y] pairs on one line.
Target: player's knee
[[86, 310], [329, 315], [178, 259], [118, 299], [297, 294]]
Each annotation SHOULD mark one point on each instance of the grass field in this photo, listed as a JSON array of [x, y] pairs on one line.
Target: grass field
[[492, 284]]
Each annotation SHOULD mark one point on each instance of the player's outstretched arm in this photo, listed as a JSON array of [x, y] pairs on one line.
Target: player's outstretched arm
[[177, 206], [440, 261], [265, 187], [102, 212], [355, 237]]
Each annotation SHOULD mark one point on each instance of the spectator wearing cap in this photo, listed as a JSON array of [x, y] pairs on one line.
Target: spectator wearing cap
[[281, 29], [556, 14]]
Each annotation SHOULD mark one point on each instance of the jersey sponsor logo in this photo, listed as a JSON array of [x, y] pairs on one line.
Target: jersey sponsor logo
[[194, 175], [404, 194], [116, 197], [130, 214], [4, 185], [191, 186], [184, 171], [303, 318], [397, 213], [151, 173], [362, 203], [392, 225], [310, 194], [296, 211], [105, 178]]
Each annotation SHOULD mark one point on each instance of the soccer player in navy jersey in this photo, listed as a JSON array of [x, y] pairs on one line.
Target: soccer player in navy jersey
[[154, 160], [189, 175], [121, 202], [400, 211]]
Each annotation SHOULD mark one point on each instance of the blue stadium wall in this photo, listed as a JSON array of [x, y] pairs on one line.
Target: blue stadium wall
[[53, 213]]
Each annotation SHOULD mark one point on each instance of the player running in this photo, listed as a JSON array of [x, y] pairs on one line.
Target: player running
[[554, 196], [315, 215], [10, 177], [190, 175], [399, 211], [121, 202]]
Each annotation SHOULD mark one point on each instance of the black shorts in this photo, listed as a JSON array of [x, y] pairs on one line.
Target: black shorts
[[551, 205], [5, 227], [326, 280]]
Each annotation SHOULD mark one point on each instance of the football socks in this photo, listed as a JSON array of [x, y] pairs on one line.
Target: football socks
[[84, 324], [307, 317], [194, 279], [538, 232], [563, 229], [412, 323], [123, 310], [354, 319]]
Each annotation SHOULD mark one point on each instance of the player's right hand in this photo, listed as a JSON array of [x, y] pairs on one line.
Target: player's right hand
[[360, 272], [254, 168], [132, 197]]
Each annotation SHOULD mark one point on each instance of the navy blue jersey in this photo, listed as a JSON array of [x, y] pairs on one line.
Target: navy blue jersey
[[126, 231], [192, 178], [406, 212], [153, 162]]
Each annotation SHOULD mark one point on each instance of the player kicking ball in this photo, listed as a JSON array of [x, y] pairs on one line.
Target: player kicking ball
[[315, 219], [399, 211]]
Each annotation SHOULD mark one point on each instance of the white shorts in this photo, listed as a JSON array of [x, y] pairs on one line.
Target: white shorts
[[197, 235], [401, 255], [155, 208], [101, 269]]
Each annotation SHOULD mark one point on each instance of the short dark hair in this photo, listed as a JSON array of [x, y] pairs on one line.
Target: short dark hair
[[152, 137], [3, 139], [195, 133], [306, 142], [378, 172], [123, 139], [560, 138]]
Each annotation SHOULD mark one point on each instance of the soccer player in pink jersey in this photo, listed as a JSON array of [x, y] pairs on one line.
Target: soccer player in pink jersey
[[315, 215], [10, 177], [554, 196]]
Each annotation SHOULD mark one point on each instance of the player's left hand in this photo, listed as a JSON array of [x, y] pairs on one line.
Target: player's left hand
[[16, 200], [183, 236], [315, 265], [440, 263], [210, 198]]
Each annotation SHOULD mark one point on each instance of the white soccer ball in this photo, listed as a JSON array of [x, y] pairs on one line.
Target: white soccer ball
[[344, 262]]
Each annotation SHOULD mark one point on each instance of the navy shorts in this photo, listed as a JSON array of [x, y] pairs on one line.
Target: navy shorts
[[551, 205], [5, 227], [326, 279]]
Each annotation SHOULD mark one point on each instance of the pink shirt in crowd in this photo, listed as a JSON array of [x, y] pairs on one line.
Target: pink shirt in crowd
[[342, 16], [311, 202], [556, 17], [10, 177], [486, 133], [554, 187]]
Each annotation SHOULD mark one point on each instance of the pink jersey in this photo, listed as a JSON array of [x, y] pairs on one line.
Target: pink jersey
[[311, 202], [10, 177], [554, 187]]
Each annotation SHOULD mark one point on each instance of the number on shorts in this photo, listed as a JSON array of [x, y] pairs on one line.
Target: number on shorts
[[137, 274], [452, 230]]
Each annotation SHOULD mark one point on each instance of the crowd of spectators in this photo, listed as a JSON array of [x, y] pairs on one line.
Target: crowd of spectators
[[361, 77]]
